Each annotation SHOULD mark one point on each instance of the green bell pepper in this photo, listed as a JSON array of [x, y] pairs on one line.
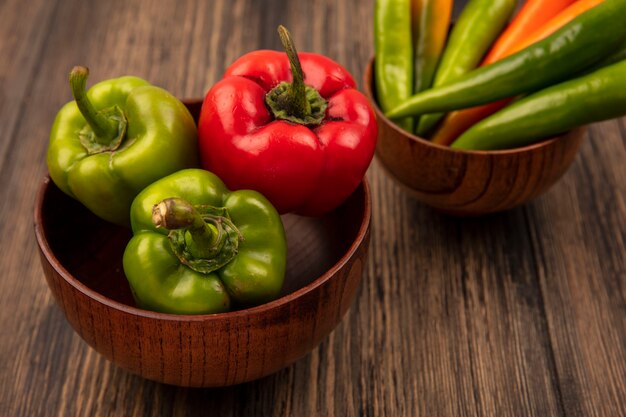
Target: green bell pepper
[[115, 139], [200, 249]]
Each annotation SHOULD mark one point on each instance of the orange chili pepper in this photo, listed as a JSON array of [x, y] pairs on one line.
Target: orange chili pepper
[[543, 25], [431, 22], [555, 23], [533, 15]]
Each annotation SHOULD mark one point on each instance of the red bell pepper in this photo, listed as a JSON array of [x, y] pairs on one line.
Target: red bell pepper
[[305, 147]]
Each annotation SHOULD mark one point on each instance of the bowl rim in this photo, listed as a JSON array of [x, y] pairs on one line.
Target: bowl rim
[[368, 80], [238, 314]]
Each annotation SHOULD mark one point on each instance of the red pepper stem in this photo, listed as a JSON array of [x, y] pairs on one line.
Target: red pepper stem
[[104, 128], [299, 105], [295, 102]]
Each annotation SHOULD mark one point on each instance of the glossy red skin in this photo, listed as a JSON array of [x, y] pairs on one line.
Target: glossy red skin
[[305, 170]]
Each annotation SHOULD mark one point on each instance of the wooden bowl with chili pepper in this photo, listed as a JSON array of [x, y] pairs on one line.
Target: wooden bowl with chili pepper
[[469, 183], [82, 261]]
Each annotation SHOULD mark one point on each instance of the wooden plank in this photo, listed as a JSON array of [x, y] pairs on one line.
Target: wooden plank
[[20, 48], [23, 30], [457, 314], [579, 238]]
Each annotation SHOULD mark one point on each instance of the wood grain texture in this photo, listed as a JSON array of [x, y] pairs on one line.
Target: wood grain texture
[[586, 306], [518, 314]]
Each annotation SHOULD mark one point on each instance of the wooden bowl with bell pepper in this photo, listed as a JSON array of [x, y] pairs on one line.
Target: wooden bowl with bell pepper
[[82, 257]]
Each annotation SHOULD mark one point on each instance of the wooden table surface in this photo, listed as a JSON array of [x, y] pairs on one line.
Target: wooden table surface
[[521, 313]]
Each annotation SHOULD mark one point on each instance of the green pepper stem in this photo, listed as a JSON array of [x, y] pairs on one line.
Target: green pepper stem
[[176, 213], [202, 237], [296, 95], [104, 128]]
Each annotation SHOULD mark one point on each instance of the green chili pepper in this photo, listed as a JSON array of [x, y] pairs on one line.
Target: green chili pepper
[[479, 24], [115, 139], [431, 23], [199, 248], [598, 96], [578, 45], [616, 56], [394, 54]]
